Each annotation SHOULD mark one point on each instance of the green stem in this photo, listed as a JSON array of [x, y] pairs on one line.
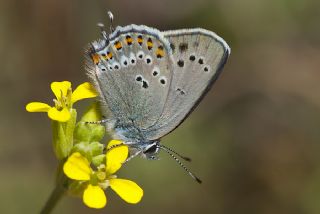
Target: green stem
[[57, 193], [53, 200]]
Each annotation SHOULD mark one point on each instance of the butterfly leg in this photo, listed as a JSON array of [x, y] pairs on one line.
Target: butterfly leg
[[104, 121], [132, 156], [153, 158]]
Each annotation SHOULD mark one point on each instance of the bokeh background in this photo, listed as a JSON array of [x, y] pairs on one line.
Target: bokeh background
[[254, 140]]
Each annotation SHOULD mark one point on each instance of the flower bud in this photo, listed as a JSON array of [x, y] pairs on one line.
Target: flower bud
[[99, 159], [90, 132], [89, 150], [63, 135]]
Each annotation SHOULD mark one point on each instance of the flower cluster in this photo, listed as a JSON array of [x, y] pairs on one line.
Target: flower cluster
[[78, 146], [77, 167]]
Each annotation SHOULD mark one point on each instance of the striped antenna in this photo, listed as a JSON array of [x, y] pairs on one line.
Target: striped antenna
[[179, 162], [102, 30], [111, 21]]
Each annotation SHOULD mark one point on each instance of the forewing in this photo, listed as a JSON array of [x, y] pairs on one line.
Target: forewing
[[132, 73], [199, 56]]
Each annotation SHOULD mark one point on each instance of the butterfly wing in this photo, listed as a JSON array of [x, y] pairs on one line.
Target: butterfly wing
[[132, 73], [199, 56]]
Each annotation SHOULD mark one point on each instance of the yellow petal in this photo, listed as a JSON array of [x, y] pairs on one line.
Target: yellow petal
[[127, 190], [94, 197], [77, 167], [37, 107], [115, 156], [61, 116], [83, 91], [60, 87]]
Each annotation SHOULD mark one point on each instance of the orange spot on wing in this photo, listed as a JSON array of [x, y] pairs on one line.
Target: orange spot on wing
[[109, 55], [118, 45], [129, 40], [149, 44], [140, 40], [160, 52], [104, 57], [95, 58]]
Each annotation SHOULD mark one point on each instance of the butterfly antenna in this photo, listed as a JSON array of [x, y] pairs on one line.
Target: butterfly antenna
[[103, 31], [176, 153], [179, 162], [111, 21]]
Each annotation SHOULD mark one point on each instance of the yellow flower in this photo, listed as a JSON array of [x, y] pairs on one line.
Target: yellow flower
[[78, 168], [64, 100]]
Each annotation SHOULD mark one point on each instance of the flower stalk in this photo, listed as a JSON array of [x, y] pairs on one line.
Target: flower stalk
[[61, 186]]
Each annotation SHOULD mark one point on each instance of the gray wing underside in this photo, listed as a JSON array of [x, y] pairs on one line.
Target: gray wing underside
[[198, 58], [133, 105]]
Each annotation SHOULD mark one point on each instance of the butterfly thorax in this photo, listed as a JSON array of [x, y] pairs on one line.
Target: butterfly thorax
[[137, 143]]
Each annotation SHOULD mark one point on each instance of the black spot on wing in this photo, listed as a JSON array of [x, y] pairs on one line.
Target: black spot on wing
[[145, 84], [180, 63], [192, 58], [173, 47], [181, 92], [139, 78], [183, 47]]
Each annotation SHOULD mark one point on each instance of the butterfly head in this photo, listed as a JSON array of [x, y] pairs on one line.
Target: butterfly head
[[148, 149], [151, 150]]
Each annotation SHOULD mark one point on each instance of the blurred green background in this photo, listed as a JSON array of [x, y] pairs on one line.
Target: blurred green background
[[254, 140]]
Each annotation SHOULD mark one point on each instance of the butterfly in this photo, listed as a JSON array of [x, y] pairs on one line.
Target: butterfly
[[150, 81]]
